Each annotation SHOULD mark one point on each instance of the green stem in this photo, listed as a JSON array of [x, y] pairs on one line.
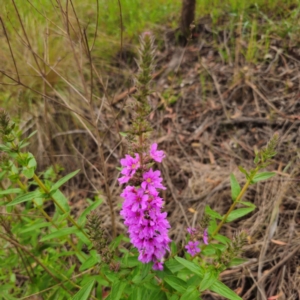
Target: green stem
[[233, 205], [34, 258], [46, 216], [44, 188]]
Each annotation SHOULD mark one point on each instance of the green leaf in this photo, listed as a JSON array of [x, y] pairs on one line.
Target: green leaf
[[190, 294], [116, 242], [237, 261], [256, 158], [62, 201], [243, 170], [82, 218], [173, 265], [28, 172], [172, 296], [63, 180], [34, 226], [124, 134], [31, 161], [238, 213], [212, 226], [2, 174], [26, 197], [117, 290], [91, 261], [85, 291], [173, 248], [220, 247], [23, 144], [157, 294], [145, 270], [190, 265], [176, 283], [209, 250], [99, 279], [31, 134], [194, 280], [210, 277], [132, 261], [235, 187], [262, 176], [223, 239], [223, 290], [8, 296], [153, 287], [212, 213], [137, 293], [249, 204], [59, 233], [10, 191], [38, 201]]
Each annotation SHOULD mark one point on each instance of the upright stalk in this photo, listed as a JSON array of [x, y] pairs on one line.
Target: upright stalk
[[233, 205]]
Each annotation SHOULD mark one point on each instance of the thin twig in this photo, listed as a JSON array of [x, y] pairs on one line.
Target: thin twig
[[218, 89], [97, 25], [27, 39], [267, 274], [10, 49]]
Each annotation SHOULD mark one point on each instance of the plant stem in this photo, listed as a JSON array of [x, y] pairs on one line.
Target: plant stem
[[44, 188], [35, 259], [47, 217], [233, 205]]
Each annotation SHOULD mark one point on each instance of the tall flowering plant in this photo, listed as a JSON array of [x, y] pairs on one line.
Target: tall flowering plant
[[142, 207]]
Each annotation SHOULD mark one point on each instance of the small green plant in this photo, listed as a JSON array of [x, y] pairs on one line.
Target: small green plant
[[48, 252]]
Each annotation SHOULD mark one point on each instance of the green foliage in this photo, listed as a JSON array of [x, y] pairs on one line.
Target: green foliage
[[238, 213], [221, 289], [48, 237], [262, 176], [85, 291], [235, 187]]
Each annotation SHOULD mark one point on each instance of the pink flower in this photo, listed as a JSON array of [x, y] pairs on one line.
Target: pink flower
[[205, 237], [158, 266], [191, 230], [152, 181], [192, 248], [124, 179], [155, 154], [130, 165]]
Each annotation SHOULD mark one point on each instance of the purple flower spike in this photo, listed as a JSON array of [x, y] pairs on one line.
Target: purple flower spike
[[158, 266], [157, 155], [205, 237], [192, 248], [147, 225]]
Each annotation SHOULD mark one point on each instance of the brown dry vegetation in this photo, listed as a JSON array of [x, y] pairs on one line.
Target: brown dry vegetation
[[214, 103]]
